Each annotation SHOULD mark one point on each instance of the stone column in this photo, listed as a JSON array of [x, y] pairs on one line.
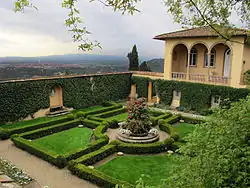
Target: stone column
[[149, 91], [188, 65], [208, 66], [133, 91]]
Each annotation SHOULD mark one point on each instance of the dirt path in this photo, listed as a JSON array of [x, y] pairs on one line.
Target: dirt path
[[43, 172]]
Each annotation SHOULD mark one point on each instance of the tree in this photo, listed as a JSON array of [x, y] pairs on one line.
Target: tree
[[133, 59], [212, 13], [218, 151], [144, 67]]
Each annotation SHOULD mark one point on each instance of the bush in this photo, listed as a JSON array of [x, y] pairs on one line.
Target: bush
[[106, 103], [96, 156], [90, 123], [8, 132], [155, 113], [4, 134], [50, 130], [100, 130], [173, 119], [90, 148], [113, 124], [193, 120], [170, 130], [80, 114], [155, 120], [94, 118], [104, 109], [96, 177], [111, 113], [70, 116]]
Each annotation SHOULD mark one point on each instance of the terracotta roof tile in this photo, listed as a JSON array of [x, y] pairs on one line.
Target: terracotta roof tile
[[201, 32]]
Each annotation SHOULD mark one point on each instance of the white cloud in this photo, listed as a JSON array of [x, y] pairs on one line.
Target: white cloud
[[43, 33]]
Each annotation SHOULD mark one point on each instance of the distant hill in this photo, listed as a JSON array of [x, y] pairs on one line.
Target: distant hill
[[67, 59], [156, 65]]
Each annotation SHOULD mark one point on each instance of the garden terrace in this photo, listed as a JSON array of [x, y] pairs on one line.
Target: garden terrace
[[111, 169]]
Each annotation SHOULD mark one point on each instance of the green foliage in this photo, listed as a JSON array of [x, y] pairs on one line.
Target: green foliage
[[90, 123], [20, 99], [111, 113], [100, 130], [192, 120], [80, 114], [173, 119], [217, 151], [133, 59], [113, 124], [155, 120], [97, 155], [70, 116], [6, 133], [106, 103], [144, 67], [194, 96], [96, 177]]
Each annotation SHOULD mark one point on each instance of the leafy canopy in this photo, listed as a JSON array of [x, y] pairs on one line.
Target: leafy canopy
[[213, 13]]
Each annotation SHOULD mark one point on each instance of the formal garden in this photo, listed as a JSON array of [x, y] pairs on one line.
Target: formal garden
[[87, 141]]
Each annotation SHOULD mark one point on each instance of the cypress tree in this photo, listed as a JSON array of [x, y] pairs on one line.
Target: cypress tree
[[133, 59]]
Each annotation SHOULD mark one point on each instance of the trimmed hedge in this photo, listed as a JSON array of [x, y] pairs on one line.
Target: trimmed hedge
[[194, 96], [6, 133], [155, 113], [170, 130], [50, 130], [22, 98], [163, 116], [173, 119], [96, 156], [111, 113], [36, 150], [103, 110], [100, 130], [192, 120], [90, 148], [96, 177], [94, 118], [90, 123]]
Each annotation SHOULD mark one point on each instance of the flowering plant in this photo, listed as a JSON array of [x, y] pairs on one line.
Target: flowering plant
[[138, 119]]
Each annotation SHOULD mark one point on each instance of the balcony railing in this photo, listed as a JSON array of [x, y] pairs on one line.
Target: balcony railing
[[201, 78]]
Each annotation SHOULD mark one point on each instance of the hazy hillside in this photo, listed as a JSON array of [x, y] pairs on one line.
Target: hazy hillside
[[67, 59], [156, 65]]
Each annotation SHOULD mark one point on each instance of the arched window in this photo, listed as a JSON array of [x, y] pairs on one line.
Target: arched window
[[212, 58], [193, 57]]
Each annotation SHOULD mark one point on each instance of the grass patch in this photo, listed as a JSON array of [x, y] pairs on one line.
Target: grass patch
[[184, 129], [157, 167], [30, 122], [66, 141], [119, 117]]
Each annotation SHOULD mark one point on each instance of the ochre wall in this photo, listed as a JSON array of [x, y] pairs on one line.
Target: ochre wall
[[179, 59], [57, 99], [246, 58], [236, 56]]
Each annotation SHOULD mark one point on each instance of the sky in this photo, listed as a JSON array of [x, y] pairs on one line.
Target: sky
[[42, 32]]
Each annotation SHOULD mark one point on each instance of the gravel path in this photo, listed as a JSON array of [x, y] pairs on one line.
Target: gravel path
[[44, 173]]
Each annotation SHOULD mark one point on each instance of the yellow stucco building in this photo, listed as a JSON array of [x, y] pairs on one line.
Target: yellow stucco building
[[199, 55]]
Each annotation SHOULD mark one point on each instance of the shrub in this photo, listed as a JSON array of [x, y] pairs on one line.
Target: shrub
[[4, 134], [111, 113], [169, 142], [80, 114], [155, 113], [97, 177], [96, 156], [173, 119], [90, 148], [90, 123], [49, 130], [106, 103], [104, 109], [113, 124], [70, 116], [192, 120], [98, 132], [94, 118], [155, 120]]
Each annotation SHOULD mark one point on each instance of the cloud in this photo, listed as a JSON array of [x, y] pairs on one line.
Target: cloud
[[42, 32]]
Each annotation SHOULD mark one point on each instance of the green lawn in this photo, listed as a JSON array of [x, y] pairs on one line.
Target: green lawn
[[30, 122], [66, 141], [184, 129], [119, 117], [130, 168]]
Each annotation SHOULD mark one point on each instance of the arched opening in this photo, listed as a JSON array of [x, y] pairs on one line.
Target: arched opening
[[179, 58], [56, 99], [223, 60], [210, 63]]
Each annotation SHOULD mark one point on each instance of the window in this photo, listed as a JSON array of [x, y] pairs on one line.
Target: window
[[212, 58], [193, 57]]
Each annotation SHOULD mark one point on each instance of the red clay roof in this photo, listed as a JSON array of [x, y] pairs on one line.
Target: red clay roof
[[201, 32]]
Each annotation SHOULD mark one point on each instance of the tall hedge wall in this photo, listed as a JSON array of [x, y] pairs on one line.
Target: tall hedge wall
[[193, 95], [23, 98]]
